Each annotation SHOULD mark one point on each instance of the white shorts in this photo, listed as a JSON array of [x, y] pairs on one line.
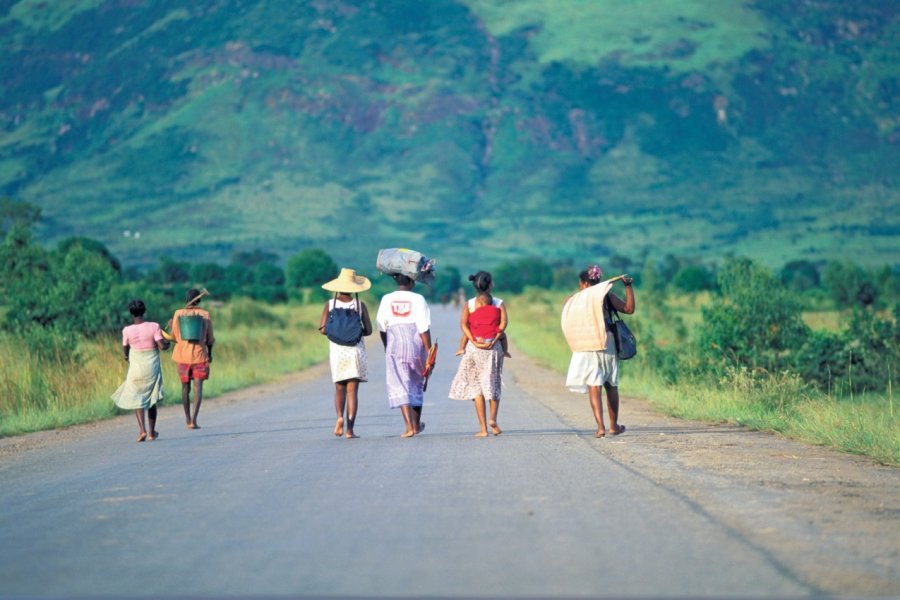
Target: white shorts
[[588, 369]]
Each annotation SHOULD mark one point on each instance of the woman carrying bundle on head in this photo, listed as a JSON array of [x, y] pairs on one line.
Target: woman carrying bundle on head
[[143, 387], [404, 321], [345, 321]]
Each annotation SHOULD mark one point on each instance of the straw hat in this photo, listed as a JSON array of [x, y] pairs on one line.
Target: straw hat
[[348, 281]]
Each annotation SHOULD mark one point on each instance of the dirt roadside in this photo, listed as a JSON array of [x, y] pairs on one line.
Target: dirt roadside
[[830, 519]]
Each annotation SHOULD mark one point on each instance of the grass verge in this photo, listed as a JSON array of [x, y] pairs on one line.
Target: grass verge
[[255, 343], [865, 424]]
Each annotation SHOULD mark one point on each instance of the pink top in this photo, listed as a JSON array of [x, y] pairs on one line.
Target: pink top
[[484, 322], [142, 336]]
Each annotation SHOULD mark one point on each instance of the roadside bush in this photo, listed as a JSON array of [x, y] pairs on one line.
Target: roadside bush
[[849, 284], [774, 391], [693, 278], [268, 283], [754, 323], [872, 347], [821, 360], [308, 270]]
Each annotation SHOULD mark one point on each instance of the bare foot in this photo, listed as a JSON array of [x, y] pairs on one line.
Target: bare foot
[[617, 429], [350, 435], [339, 427], [601, 432], [482, 433], [408, 434], [142, 437], [152, 436], [193, 425], [494, 429]]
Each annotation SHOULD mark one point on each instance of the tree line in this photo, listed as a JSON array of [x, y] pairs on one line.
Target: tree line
[[54, 296]]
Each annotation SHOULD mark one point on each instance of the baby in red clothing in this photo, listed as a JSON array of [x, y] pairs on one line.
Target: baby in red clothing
[[485, 324]]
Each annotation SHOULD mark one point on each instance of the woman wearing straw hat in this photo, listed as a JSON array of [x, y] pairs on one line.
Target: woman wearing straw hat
[[349, 364], [404, 322]]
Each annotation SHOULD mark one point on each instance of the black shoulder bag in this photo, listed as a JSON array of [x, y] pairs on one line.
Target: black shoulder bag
[[626, 345], [344, 326]]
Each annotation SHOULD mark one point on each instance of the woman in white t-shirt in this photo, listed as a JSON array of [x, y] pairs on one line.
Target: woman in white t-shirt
[[404, 321], [349, 364]]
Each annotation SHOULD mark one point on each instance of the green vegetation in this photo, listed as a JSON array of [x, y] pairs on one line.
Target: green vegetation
[[732, 342], [478, 131], [255, 343], [746, 354]]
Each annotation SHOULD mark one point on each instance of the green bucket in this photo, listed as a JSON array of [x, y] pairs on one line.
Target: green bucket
[[191, 327]]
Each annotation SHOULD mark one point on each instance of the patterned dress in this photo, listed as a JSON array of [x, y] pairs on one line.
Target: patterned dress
[[480, 371], [479, 374]]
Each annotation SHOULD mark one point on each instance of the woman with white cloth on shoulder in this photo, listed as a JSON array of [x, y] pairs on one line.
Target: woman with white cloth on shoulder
[[585, 323]]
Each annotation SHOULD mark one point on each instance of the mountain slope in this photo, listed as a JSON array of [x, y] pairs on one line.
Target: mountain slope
[[476, 131]]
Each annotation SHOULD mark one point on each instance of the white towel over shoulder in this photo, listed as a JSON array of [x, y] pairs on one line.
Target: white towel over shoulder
[[582, 318]]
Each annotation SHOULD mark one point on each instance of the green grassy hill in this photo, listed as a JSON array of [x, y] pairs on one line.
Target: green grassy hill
[[474, 130]]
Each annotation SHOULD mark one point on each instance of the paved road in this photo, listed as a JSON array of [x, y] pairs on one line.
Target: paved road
[[265, 500]]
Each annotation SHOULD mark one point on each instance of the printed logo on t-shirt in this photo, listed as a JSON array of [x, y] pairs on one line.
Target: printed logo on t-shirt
[[401, 308]]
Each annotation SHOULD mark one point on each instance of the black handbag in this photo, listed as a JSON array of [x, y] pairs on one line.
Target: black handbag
[[626, 345], [344, 326]]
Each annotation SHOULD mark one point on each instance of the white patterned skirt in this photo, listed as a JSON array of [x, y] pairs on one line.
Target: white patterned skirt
[[348, 362], [479, 374], [590, 369]]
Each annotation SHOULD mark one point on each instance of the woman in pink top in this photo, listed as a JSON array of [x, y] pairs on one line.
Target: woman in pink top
[[143, 386]]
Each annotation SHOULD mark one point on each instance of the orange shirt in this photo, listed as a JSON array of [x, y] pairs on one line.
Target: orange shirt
[[192, 353]]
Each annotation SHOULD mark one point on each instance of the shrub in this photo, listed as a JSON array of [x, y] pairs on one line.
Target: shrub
[[800, 275], [693, 278], [754, 323], [849, 285], [307, 271]]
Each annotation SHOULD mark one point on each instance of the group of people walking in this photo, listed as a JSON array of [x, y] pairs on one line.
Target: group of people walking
[[403, 321]]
